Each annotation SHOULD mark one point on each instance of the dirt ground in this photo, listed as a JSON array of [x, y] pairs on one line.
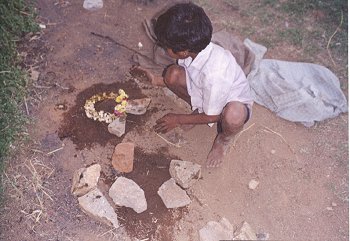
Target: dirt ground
[[303, 172]]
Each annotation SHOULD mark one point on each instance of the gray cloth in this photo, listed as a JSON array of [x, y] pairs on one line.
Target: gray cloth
[[298, 92]]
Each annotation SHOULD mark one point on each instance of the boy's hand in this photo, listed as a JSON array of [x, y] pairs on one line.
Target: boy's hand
[[167, 123]]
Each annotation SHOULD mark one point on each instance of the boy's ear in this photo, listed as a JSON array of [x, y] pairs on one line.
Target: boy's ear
[[184, 53]]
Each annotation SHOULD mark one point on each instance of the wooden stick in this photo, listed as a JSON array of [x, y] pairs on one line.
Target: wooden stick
[[170, 143], [124, 46], [283, 139], [26, 105], [51, 152], [240, 133], [330, 39]]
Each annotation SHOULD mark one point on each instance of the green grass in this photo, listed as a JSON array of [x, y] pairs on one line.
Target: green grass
[[16, 18]]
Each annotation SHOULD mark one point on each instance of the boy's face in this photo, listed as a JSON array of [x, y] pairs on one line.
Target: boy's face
[[177, 55]]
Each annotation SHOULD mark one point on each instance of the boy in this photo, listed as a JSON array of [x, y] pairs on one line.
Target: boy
[[206, 76]]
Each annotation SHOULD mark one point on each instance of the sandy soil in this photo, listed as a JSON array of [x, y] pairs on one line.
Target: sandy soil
[[303, 172]]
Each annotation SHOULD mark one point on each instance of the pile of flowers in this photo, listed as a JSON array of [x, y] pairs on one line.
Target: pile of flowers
[[119, 110]]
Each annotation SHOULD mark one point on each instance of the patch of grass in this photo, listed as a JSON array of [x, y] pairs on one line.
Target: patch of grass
[[292, 35], [16, 18]]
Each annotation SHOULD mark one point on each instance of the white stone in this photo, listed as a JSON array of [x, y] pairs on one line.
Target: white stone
[[172, 195], [214, 231], [253, 184], [97, 206], [93, 4], [244, 232], [117, 127], [126, 192], [138, 106], [85, 179], [185, 173]]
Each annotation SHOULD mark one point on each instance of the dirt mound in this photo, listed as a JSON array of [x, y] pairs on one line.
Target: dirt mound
[[84, 132]]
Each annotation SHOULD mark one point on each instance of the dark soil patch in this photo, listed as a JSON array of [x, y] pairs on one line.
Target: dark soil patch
[[150, 172], [84, 132]]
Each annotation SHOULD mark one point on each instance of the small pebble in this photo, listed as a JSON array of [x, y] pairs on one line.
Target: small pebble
[[273, 151], [140, 45], [253, 184], [329, 208], [334, 204]]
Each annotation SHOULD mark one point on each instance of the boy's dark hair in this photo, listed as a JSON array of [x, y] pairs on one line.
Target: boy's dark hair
[[184, 26]]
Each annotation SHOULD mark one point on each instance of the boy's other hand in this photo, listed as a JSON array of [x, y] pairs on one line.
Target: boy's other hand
[[167, 123]]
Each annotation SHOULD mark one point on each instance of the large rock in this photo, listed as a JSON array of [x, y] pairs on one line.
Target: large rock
[[126, 192], [117, 127], [138, 106], [85, 179], [93, 4], [123, 157], [244, 232], [97, 206], [172, 195], [185, 173], [213, 231]]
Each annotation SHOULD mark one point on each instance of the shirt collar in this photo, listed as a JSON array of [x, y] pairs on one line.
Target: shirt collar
[[200, 59]]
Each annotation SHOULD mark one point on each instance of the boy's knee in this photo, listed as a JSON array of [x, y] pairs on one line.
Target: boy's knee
[[234, 114], [173, 74]]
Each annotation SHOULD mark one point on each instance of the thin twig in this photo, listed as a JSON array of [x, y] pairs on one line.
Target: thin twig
[[64, 88], [330, 39], [124, 46], [240, 133], [283, 139], [12, 184], [170, 143], [5, 71], [51, 152], [42, 87], [26, 105]]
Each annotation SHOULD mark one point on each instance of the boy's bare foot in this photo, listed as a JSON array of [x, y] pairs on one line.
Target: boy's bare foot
[[217, 153], [145, 74]]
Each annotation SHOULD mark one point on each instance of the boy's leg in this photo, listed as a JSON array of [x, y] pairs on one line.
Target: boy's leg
[[175, 80], [233, 118]]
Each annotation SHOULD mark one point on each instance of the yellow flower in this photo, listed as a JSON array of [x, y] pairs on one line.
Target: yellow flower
[[119, 99]]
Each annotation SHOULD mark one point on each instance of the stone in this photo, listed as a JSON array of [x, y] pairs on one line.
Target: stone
[[123, 157], [253, 184], [85, 179], [213, 231], [93, 4], [172, 195], [262, 236], [117, 127], [244, 232], [96, 205], [138, 106], [34, 75], [185, 173], [126, 192]]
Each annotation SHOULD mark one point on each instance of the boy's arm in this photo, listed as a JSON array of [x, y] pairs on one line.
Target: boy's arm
[[171, 120]]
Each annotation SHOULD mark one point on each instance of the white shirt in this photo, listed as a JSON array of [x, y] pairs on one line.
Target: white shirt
[[214, 79]]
